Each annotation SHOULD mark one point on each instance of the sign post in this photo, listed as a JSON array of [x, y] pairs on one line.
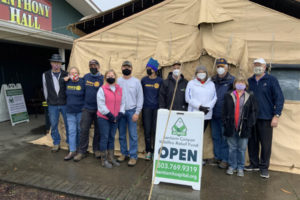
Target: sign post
[[15, 103], [181, 154]]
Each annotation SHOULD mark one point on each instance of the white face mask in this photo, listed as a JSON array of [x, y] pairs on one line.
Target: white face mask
[[176, 72], [259, 70], [220, 70], [201, 76]]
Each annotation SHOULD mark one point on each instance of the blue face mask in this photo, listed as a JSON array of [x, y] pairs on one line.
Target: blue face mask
[[240, 86]]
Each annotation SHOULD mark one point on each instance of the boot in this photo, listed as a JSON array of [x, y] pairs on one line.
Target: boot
[[104, 161], [70, 156], [111, 158]]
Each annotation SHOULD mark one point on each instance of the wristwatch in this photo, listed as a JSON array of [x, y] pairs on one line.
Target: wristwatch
[[277, 116]]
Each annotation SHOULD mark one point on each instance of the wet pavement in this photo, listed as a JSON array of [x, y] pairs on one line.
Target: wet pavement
[[36, 166]]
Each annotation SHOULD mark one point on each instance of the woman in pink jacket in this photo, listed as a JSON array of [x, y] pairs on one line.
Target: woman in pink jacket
[[111, 106]]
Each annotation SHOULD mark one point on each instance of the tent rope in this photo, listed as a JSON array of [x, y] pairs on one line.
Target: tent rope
[[165, 131]]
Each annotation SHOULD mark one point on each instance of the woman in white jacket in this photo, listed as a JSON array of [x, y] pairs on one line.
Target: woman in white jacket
[[201, 94]]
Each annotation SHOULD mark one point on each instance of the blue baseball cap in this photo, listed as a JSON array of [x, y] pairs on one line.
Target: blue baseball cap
[[221, 61]]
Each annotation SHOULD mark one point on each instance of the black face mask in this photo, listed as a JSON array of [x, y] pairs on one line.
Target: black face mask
[[126, 72], [149, 72], [94, 70], [110, 80]]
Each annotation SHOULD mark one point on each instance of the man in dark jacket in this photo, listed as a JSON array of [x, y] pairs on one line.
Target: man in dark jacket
[[55, 94], [270, 101], [93, 81], [223, 82], [167, 89]]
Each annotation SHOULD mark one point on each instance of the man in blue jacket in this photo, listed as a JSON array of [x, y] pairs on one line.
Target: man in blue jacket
[[93, 81], [270, 100], [223, 82]]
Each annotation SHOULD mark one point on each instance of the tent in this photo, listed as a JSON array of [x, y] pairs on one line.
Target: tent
[[196, 32]]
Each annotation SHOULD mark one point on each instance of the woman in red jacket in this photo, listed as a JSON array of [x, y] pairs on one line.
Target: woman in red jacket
[[111, 106]]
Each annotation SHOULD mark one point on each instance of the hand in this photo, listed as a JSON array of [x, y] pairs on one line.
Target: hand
[[274, 122], [204, 109], [66, 78], [120, 115], [111, 117], [135, 117]]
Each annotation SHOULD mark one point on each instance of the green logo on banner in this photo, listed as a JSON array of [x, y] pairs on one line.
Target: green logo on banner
[[179, 128]]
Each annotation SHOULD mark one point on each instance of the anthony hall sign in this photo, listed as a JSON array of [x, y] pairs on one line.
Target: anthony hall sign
[[35, 14]]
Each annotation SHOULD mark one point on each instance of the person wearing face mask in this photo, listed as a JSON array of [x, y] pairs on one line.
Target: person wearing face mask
[[201, 94], [111, 107], [92, 81], [270, 100], [239, 118], [223, 81], [167, 89], [151, 85], [54, 88], [133, 92], [75, 100]]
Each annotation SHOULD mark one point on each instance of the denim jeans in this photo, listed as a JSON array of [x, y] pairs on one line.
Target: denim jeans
[[54, 119], [149, 122], [87, 118], [237, 150], [124, 122], [74, 130], [107, 134], [219, 140]]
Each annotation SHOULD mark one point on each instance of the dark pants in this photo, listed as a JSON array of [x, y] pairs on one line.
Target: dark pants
[[87, 118], [206, 122], [47, 119], [149, 122], [262, 136]]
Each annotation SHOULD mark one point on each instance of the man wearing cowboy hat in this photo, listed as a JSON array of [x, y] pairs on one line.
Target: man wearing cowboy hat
[[55, 95]]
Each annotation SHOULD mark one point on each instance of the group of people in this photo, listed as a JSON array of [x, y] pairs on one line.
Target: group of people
[[242, 112]]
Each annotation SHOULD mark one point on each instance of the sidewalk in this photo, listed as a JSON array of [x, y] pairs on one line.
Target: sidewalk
[[36, 166]]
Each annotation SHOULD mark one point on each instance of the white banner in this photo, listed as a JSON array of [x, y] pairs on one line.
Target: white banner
[[181, 157]]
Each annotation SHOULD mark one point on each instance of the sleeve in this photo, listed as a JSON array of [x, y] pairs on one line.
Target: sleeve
[[162, 96], [140, 98], [45, 87], [189, 97], [122, 108], [213, 101], [278, 97], [101, 102], [225, 108]]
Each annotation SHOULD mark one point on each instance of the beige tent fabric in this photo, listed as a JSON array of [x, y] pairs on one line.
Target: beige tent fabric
[[238, 30]]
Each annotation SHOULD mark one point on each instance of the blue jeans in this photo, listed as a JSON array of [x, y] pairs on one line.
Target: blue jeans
[[107, 134], [237, 150], [74, 130], [124, 122], [54, 119], [219, 140]]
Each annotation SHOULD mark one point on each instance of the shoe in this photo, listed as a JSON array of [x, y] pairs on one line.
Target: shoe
[[264, 173], [213, 162], [132, 162], [70, 156], [55, 148], [111, 158], [240, 172], [204, 162], [79, 157], [230, 171], [148, 156], [251, 168], [104, 161], [121, 158], [223, 165], [97, 154]]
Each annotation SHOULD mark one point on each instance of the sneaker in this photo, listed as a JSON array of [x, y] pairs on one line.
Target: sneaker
[[97, 154], [223, 165], [230, 171], [251, 168], [264, 173], [148, 156], [70, 156], [55, 148], [122, 158], [79, 157], [240, 172], [132, 162]]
